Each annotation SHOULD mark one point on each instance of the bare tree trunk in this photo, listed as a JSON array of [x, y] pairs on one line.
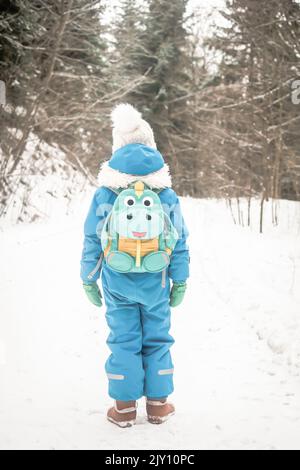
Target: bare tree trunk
[[261, 219], [231, 210], [249, 212], [240, 215], [274, 212], [17, 153]]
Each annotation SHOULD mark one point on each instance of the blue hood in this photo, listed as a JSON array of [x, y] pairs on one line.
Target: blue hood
[[136, 159]]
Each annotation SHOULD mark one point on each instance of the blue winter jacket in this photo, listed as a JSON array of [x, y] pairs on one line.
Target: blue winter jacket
[[140, 160]]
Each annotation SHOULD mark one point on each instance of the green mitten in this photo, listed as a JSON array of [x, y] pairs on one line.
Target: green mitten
[[93, 293], [177, 293]]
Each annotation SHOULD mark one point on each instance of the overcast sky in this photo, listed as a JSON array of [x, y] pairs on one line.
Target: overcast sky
[[192, 4]]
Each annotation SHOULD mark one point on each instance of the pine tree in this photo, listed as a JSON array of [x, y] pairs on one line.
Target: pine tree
[[127, 29], [161, 55], [259, 50], [18, 31], [56, 80]]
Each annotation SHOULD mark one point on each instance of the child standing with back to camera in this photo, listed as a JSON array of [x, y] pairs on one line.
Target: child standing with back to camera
[[135, 237]]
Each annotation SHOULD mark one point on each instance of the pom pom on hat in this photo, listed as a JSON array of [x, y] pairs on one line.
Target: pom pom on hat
[[126, 118], [130, 128]]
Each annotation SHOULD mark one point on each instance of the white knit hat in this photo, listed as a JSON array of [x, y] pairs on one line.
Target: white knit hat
[[130, 128]]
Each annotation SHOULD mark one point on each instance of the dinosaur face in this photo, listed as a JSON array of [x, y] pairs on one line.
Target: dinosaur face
[[138, 214]]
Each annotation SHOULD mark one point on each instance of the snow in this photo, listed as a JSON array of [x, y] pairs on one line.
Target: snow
[[237, 350], [45, 183]]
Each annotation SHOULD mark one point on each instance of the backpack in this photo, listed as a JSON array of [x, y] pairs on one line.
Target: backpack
[[137, 235]]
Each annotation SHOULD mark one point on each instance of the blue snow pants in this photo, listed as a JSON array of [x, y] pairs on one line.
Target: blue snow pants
[[138, 315]]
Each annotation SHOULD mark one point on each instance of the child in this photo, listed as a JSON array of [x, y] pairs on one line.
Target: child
[[138, 302]]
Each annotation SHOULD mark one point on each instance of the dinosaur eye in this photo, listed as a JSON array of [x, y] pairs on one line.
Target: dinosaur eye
[[148, 202], [129, 201]]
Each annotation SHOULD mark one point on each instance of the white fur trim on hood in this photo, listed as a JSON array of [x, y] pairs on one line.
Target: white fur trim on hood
[[116, 179]]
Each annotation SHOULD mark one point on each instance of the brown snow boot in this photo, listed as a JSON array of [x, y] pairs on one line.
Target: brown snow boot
[[123, 413], [159, 410]]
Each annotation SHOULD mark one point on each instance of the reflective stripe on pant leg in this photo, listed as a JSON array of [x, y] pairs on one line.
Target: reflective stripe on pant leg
[[165, 371], [115, 377]]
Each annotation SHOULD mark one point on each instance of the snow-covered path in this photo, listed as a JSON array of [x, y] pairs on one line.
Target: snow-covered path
[[232, 390]]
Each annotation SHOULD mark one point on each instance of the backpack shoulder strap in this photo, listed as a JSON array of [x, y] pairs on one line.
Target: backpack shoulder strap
[[156, 190], [116, 191]]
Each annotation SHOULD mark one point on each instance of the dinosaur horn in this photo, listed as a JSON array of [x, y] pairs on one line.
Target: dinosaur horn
[[139, 188]]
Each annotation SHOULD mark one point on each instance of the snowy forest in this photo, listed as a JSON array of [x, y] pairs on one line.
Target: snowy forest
[[219, 83], [217, 86]]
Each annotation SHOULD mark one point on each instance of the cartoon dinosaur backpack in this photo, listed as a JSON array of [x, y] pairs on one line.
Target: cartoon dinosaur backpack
[[137, 236]]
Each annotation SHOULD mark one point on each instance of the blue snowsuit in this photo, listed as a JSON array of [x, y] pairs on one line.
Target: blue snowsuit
[[138, 311]]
